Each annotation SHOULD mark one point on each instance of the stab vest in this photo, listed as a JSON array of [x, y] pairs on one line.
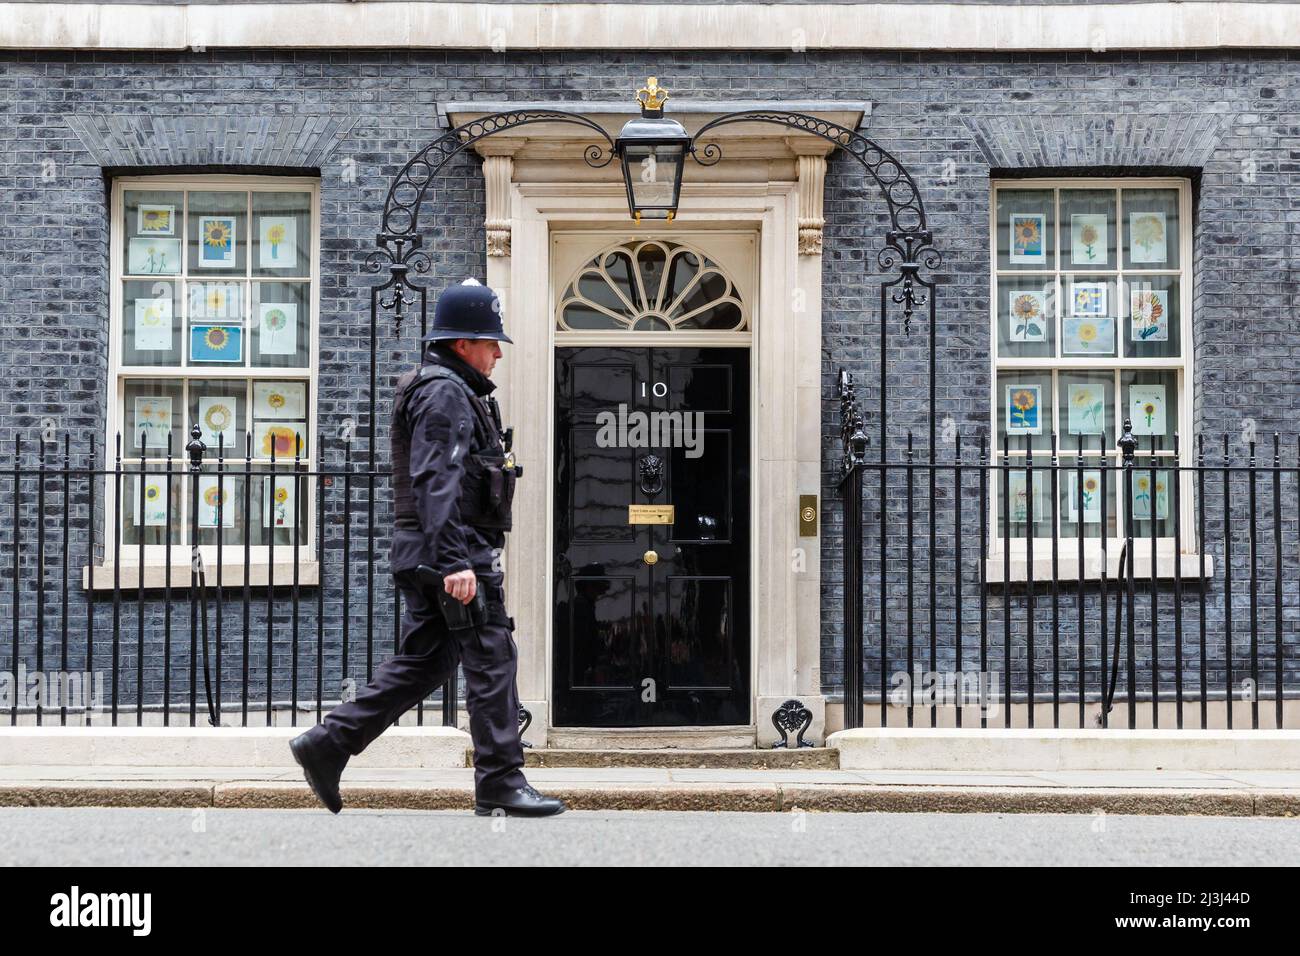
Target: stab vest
[[487, 489]]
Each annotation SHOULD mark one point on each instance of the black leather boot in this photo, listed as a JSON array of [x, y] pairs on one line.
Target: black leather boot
[[322, 764], [522, 802]]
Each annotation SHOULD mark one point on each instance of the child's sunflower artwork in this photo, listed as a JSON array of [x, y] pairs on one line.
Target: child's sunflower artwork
[[216, 301], [280, 400], [217, 422], [1149, 310], [1147, 490], [277, 328], [1028, 243], [1018, 488], [1024, 409], [1148, 242], [153, 422], [1029, 316], [216, 343], [214, 499], [1091, 496], [1088, 299], [277, 242], [155, 220], [1146, 409], [1089, 239], [155, 501], [153, 324], [279, 500], [153, 257], [1087, 408], [279, 439], [217, 242], [1088, 337]]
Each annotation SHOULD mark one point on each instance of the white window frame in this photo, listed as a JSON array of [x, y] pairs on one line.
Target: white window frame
[[232, 554], [1182, 365]]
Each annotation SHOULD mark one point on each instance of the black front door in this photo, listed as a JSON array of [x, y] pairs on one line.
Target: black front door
[[651, 619]]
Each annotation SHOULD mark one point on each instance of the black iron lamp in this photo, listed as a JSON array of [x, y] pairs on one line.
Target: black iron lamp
[[652, 149]]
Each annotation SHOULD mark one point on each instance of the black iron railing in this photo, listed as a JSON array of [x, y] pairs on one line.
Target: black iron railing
[[991, 597], [135, 595]]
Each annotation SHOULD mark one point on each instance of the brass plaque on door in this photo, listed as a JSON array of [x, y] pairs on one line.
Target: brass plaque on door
[[650, 514]]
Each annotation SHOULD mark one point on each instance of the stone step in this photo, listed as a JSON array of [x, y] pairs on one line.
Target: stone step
[[803, 758]]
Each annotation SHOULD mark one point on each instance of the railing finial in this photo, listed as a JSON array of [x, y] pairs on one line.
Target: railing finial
[[195, 447], [1128, 442]]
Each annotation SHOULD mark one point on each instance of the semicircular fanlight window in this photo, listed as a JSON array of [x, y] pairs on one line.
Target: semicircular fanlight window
[[651, 285]]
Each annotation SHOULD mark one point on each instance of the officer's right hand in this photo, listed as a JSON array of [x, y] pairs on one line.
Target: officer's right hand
[[462, 586]]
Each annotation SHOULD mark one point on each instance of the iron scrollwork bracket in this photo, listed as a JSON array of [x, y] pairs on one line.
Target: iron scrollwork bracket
[[792, 716], [399, 242], [853, 435], [525, 721], [909, 244], [910, 251]]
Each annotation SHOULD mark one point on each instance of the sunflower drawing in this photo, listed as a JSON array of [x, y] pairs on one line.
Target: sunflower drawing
[[1147, 312], [216, 338], [1090, 485], [275, 236], [213, 497], [1028, 312], [1143, 494], [278, 440], [156, 220], [217, 418], [1087, 403], [1148, 233], [1088, 236], [151, 492], [1024, 402], [216, 234], [1149, 410], [1026, 231], [275, 400], [281, 495], [215, 300]]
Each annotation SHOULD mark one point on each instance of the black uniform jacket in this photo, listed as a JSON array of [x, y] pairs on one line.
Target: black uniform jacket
[[434, 433]]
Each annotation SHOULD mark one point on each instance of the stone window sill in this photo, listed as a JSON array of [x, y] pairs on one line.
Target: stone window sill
[[100, 577], [1189, 567]]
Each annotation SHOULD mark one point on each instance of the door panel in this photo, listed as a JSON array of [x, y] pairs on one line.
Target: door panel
[[663, 643]]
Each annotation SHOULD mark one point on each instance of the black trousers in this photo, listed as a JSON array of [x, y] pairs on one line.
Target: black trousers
[[427, 659]]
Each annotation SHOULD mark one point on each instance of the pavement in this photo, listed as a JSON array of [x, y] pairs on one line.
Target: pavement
[[165, 837], [1215, 793]]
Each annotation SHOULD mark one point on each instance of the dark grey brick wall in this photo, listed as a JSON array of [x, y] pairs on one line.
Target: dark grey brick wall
[[65, 118]]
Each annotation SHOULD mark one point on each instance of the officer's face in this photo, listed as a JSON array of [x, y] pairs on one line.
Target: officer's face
[[481, 354]]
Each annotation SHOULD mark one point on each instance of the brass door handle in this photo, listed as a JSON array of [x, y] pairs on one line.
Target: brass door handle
[[650, 557]]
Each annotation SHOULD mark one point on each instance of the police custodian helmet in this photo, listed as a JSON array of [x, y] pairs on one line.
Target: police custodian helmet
[[469, 310]]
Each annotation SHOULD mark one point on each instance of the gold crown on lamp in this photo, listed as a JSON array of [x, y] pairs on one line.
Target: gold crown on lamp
[[652, 95]]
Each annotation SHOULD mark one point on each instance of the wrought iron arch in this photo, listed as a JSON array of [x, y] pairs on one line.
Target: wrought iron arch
[[909, 243]]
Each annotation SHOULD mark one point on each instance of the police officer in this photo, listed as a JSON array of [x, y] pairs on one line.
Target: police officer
[[453, 484]]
